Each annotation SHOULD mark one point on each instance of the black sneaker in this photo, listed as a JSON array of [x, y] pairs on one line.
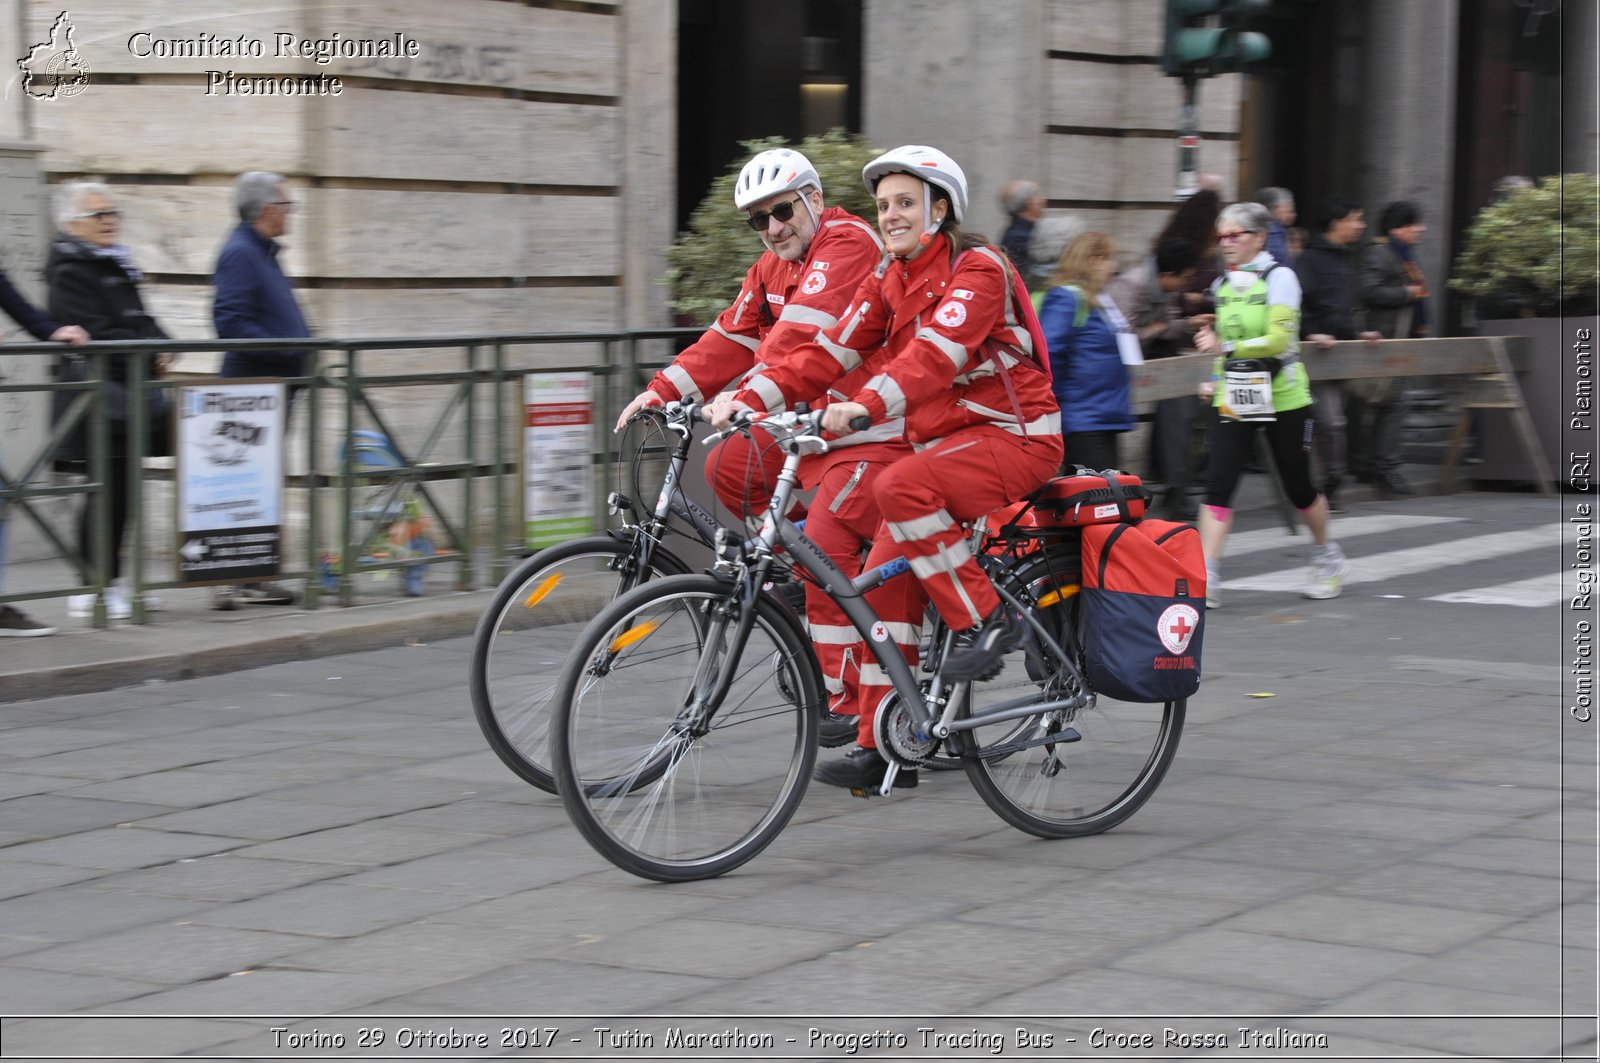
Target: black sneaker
[[1392, 485], [837, 729], [979, 652], [862, 769], [15, 624]]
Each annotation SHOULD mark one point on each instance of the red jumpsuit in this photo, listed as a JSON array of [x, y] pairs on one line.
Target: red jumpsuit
[[977, 449], [780, 308]]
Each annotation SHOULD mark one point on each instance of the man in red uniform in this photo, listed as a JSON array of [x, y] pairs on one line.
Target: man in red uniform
[[816, 256], [938, 326]]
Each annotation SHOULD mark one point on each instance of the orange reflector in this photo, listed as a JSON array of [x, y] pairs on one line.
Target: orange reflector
[[541, 591], [1058, 595], [633, 634]]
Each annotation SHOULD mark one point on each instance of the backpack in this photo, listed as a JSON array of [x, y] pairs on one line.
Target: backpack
[[1144, 609], [1019, 311]]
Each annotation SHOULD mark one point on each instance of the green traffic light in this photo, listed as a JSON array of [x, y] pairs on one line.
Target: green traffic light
[[1196, 45], [1243, 47]]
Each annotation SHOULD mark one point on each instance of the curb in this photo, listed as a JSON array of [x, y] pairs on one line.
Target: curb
[[127, 655]]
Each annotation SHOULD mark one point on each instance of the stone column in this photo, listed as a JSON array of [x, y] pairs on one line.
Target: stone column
[[966, 78], [648, 160], [1411, 112]]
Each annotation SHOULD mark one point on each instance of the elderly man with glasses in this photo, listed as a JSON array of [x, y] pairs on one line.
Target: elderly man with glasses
[[254, 300], [802, 283]]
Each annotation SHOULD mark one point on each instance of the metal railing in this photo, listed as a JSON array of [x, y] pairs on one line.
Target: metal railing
[[487, 368], [344, 388]]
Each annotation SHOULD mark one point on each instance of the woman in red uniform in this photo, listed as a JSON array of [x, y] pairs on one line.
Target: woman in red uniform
[[960, 368]]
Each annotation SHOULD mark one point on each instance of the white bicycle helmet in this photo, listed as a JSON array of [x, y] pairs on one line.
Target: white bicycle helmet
[[773, 171], [926, 164]]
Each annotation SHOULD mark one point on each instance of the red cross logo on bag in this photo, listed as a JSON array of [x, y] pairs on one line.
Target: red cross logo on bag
[[1177, 626]]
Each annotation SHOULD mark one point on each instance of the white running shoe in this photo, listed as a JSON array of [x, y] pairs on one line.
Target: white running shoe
[[116, 604], [1328, 569]]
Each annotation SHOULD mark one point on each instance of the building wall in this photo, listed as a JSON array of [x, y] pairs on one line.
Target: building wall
[[481, 186], [1067, 92]]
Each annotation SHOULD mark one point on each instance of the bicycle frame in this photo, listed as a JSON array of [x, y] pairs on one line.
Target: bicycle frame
[[777, 530]]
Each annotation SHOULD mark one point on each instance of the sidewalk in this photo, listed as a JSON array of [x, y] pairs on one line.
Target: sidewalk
[[187, 638]]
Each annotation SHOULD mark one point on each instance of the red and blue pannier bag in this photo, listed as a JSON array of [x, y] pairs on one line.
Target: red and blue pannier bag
[[1144, 609], [1068, 502]]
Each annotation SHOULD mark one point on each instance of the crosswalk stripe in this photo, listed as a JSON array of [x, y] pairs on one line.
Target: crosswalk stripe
[[1530, 593], [1343, 528], [1374, 568]]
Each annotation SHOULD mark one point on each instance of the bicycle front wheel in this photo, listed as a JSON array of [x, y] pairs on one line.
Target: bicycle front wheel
[[1068, 772], [665, 776], [528, 630]]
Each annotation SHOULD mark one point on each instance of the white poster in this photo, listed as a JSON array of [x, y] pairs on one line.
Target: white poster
[[230, 480], [558, 433]]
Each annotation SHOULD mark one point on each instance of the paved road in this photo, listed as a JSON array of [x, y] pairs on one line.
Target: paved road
[[1380, 808]]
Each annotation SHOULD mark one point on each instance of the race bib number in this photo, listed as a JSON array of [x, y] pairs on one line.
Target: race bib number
[[1247, 395]]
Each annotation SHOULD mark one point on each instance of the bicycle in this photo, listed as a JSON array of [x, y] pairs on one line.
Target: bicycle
[[684, 722], [529, 626]]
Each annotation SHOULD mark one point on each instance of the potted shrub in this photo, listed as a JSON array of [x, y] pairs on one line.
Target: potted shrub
[[1529, 265], [1533, 253], [707, 264]]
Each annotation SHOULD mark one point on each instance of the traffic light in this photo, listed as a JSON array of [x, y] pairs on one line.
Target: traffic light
[[1206, 37]]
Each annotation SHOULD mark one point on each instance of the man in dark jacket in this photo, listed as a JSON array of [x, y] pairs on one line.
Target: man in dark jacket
[[255, 301], [1147, 296], [1025, 204], [1396, 297], [14, 623], [1330, 304]]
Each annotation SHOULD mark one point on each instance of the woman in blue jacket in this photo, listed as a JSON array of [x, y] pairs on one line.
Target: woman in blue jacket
[[1082, 326]]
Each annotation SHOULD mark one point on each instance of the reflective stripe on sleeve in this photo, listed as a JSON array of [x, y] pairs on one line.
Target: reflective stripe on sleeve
[[847, 357], [952, 350], [748, 342], [894, 400], [770, 394], [807, 315], [681, 380]]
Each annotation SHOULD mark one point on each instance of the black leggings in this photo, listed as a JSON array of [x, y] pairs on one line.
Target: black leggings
[[1289, 438], [118, 488]]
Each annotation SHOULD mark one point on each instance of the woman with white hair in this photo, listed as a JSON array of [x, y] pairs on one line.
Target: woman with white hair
[[94, 283], [1259, 384]]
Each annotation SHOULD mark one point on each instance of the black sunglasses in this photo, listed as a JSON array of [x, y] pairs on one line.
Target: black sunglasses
[[782, 211]]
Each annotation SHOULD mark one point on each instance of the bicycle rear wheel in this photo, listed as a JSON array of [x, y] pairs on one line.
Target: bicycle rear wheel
[[527, 632], [662, 780], [1068, 772]]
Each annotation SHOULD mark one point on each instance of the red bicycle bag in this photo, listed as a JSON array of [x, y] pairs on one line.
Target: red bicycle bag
[[1144, 609]]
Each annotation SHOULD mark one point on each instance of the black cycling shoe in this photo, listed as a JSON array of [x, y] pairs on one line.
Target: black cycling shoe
[[863, 769], [837, 729], [979, 652]]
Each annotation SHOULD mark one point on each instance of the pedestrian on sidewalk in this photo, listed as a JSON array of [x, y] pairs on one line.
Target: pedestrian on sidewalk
[[1330, 311], [14, 623], [94, 284], [1280, 204], [1395, 294], [1024, 204], [1147, 295], [1086, 330], [254, 300]]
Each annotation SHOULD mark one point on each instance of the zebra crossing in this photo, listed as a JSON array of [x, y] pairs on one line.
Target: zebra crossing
[[1383, 549]]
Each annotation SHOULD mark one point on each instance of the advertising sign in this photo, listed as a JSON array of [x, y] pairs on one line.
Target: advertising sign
[[230, 480], [558, 429]]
